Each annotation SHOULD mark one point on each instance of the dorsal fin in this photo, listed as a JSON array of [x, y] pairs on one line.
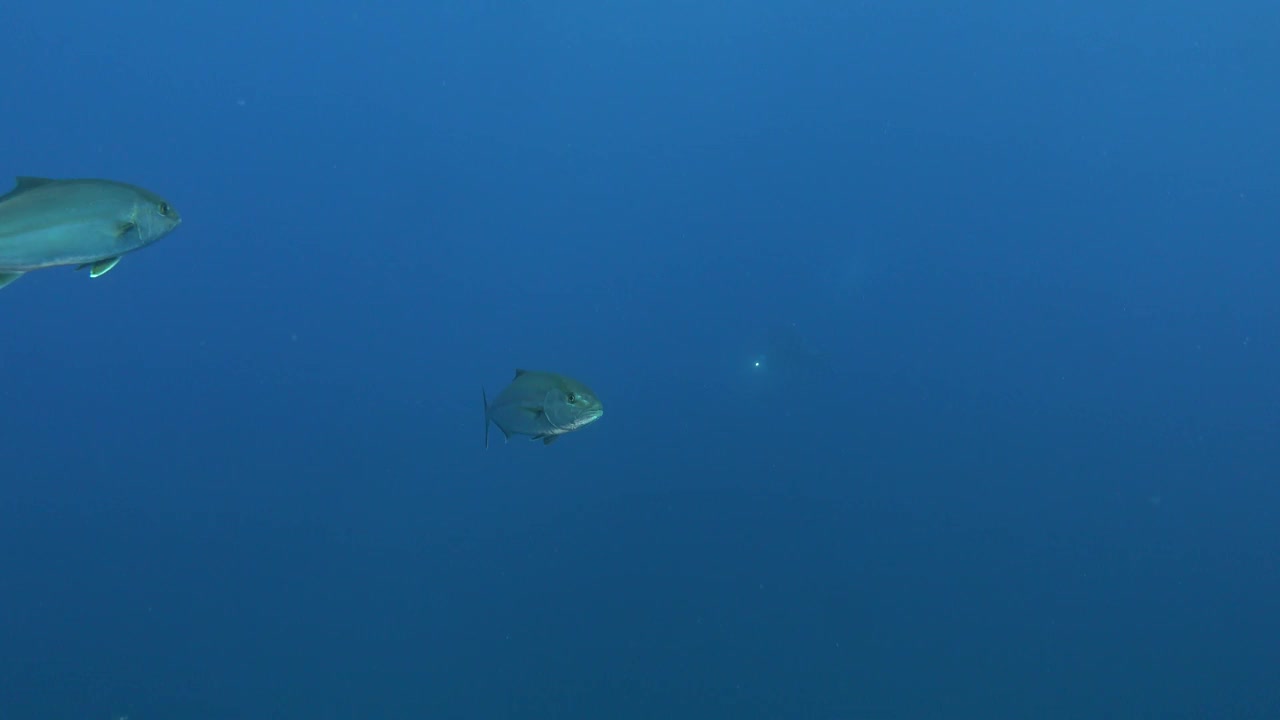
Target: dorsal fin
[[27, 182], [24, 183]]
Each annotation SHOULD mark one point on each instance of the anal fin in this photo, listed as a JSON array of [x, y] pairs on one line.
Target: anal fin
[[102, 267], [8, 277]]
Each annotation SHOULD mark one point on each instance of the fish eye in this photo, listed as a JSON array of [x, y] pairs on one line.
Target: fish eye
[[164, 208], [573, 397]]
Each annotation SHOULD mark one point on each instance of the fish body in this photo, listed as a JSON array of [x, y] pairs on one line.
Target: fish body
[[788, 364], [87, 223], [541, 405]]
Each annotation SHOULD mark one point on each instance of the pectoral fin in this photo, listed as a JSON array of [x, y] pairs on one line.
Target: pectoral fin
[[8, 277]]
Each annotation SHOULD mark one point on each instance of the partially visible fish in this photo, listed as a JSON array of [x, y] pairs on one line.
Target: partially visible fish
[[88, 223], [788, 364], [542, 405]]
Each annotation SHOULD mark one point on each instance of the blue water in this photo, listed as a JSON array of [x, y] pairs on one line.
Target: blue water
[[1012, 451]]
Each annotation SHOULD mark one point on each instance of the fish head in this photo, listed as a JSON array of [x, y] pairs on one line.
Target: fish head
[[570, 405], [152, 217]]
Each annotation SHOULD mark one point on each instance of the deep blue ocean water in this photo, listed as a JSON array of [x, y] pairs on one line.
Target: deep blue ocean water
[[938, 344]]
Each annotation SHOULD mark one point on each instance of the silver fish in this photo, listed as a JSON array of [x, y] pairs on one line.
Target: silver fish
[[88, 223], [542, 405]]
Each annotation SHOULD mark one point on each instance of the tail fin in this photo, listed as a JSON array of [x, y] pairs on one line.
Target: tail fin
[[485, 396]]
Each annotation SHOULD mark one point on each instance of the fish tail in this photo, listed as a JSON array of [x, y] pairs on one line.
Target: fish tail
[[485, 396]]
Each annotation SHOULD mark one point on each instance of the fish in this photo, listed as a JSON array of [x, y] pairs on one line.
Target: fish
[[788, 361], [88, 223], [542, 405]]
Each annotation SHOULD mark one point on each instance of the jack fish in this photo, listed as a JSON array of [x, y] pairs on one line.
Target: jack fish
[[88, 223], [542, 405]]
